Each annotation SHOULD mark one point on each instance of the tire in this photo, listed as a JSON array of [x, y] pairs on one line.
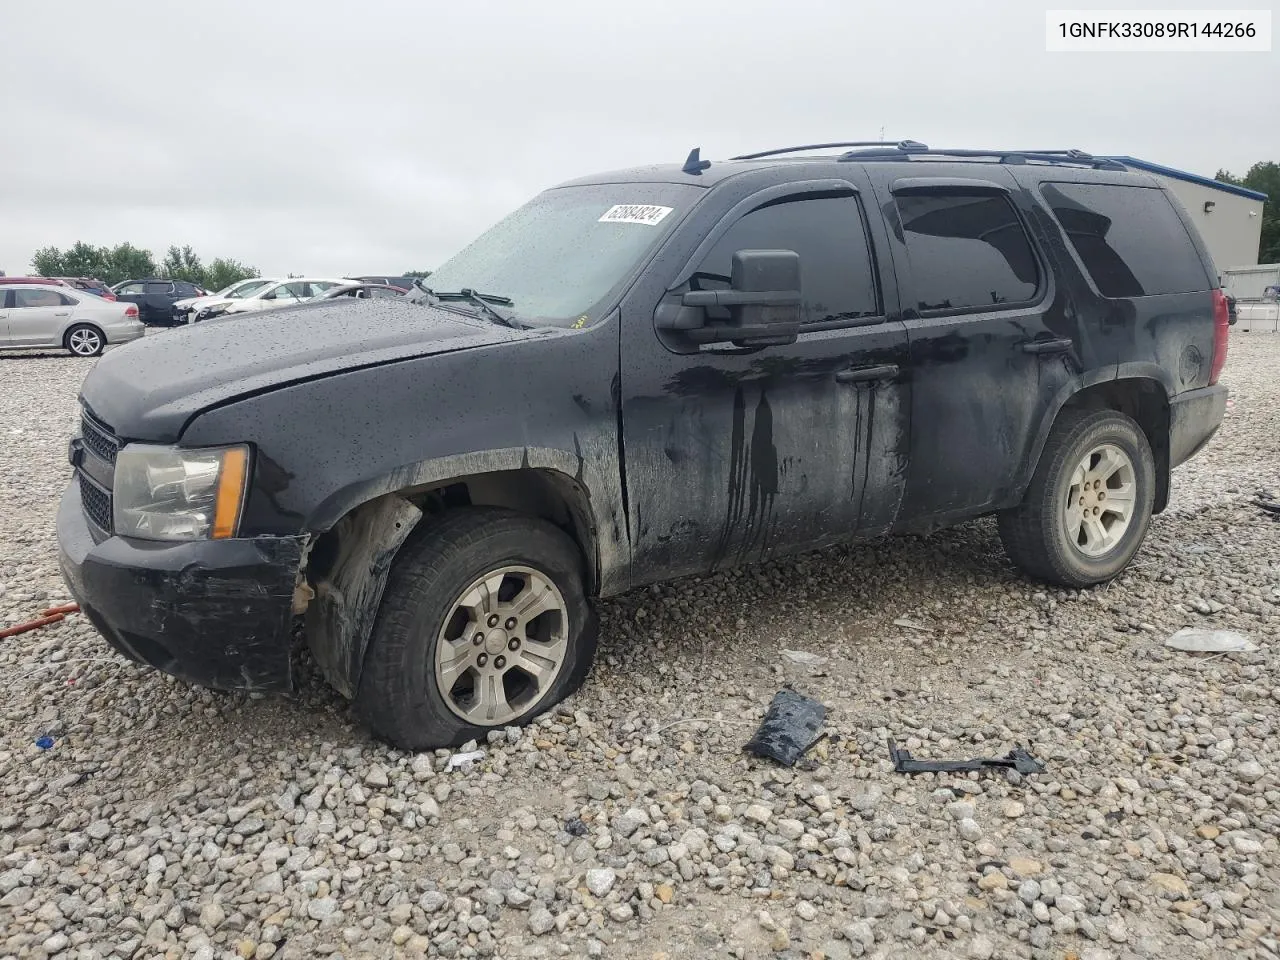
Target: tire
[[1063, 541], [401, 694], [85, 340]]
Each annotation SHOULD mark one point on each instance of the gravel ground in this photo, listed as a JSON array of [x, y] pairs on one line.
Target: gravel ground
[[171, 821]]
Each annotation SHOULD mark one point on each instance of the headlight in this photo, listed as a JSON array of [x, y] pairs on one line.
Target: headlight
[[168, 493]]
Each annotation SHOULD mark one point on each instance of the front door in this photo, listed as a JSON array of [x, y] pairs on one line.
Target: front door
[[734, 455], [991, 339], [37, 317]]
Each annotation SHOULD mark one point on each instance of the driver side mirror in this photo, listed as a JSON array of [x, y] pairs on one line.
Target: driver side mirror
[[761, 307]]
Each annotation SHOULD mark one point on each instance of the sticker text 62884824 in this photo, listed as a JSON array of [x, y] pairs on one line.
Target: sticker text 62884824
[[646, 213]]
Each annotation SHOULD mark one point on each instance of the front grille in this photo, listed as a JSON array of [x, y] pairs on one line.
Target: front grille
[[99, 439], [96, 503]]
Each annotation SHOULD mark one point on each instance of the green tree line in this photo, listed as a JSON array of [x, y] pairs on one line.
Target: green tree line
[[124, 261], [1265, 178]]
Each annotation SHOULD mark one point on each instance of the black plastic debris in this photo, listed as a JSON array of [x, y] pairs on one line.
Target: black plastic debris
[[789, 728], [575, 827], [1267, 501], [1016, 759]]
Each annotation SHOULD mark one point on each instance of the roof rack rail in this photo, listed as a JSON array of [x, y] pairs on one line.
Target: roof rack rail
[[1077, 157], [904, 146]]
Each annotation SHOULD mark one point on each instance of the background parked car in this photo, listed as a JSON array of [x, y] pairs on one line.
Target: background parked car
[[404, 283], [155, 297], [89, 285], [281, 294], [54, 315], [40, 280], [363, 291], [186, 309]]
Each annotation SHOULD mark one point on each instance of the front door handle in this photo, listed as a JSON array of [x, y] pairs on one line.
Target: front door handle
[[1047, 346], [866, 374]]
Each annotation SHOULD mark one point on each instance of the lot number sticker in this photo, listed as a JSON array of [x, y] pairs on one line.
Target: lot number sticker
[[645, 213]]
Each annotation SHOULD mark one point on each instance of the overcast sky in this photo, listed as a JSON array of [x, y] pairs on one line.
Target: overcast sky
[[342, 138]]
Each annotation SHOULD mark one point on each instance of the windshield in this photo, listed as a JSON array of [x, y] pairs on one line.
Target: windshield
[[564, 255], [241, 289]]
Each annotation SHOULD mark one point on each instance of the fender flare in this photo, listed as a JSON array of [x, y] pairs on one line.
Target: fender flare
[[1149, 372]]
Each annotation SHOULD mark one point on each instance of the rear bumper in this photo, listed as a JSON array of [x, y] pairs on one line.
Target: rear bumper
[[125, 332], [1194, 417], [214, 612]]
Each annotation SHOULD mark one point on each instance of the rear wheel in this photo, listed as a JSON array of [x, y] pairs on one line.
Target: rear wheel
[[85, 340], [1087, 510], [483, 624]]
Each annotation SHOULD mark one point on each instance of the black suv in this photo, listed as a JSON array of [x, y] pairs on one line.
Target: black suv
[[638, 376], [155, 297]]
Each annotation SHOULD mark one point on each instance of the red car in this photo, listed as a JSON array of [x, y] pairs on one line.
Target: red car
[[53, 280], [88, 285]]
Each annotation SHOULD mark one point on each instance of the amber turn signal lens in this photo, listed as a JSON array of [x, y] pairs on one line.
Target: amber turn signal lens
[[231, 480]]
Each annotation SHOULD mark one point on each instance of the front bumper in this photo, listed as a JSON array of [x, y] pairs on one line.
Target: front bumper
[[1194, 417], [214, 612]]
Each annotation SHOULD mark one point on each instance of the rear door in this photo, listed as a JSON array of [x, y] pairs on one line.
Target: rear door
[[990, 346], [157, 302]]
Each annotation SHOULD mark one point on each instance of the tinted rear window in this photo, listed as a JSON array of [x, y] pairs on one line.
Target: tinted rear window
[[966, 251], [1131, 240]]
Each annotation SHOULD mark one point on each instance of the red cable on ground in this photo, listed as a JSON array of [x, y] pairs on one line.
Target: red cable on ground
[[52, 615]]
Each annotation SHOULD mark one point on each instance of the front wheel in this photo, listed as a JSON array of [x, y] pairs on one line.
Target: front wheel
[[483, 624], [1089, 504]]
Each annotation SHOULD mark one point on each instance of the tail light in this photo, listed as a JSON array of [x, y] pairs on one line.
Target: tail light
[[1221, 327], [107, 296], [131, 310]]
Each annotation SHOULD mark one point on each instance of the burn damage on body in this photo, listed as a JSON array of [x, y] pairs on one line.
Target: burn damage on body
[[356, 558]]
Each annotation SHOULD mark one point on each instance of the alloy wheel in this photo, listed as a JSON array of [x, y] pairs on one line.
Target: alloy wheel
[[503, 645], [1099, 502]]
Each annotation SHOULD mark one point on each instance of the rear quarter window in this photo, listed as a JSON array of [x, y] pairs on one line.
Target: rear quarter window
[[1129, 238]]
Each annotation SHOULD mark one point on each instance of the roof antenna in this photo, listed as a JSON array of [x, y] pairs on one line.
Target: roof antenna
[[695, 164]]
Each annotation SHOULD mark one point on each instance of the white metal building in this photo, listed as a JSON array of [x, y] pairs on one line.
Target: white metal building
[[1228, 217]]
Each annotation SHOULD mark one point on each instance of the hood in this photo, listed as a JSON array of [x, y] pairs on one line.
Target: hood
[[150, 389]]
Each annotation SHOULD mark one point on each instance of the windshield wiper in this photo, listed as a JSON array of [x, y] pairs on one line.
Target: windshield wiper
[[483, 301]]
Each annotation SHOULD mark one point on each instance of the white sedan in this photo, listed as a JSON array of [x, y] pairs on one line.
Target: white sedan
[[49, 315], [282, 293], [241, 288]]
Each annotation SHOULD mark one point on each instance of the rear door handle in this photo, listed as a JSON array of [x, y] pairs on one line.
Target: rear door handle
[[63, 313], [866, 374], [1047, 346]]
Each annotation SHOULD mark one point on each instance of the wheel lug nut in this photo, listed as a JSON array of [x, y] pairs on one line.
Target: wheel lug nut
[[500, 662], [1095, 511], [478, 639], [493, 619], [482, 660], [513, 644], [511, 623]]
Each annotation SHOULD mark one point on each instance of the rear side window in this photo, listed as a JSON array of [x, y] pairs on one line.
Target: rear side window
[[1131, 240], [967, 250], [827, 232], [159, 288]]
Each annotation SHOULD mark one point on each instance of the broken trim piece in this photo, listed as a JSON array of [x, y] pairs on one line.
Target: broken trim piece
[[1016, 759], [340, 617]]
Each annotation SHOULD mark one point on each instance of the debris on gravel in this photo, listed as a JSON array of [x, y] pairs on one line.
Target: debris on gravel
[[167, 821]]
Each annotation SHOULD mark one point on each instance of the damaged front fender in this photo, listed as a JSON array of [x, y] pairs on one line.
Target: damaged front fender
[[348, 579]]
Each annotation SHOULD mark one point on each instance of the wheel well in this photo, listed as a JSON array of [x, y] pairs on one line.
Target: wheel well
[[1147, 403], [546, 494]]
